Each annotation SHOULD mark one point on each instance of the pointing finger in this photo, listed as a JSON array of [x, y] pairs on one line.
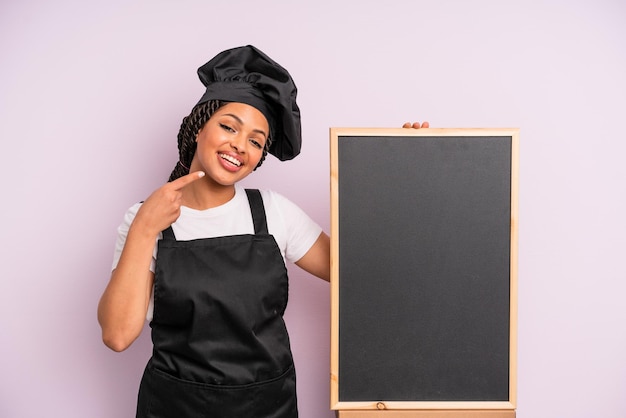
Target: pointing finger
[[181, 182]]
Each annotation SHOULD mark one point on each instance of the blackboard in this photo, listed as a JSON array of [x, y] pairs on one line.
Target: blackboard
[[424, 260]]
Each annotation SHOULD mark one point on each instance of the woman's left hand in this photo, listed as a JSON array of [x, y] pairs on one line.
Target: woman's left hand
[[416, 125]]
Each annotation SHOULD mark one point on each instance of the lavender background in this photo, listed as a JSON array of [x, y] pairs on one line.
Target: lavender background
[[91, 98]]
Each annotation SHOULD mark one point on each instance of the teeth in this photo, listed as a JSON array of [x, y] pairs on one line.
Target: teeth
[[231, 159]]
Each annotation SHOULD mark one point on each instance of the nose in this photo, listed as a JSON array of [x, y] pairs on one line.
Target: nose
[[238, 143]]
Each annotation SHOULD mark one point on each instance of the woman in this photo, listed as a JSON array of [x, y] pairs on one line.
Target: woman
[[215, 284]]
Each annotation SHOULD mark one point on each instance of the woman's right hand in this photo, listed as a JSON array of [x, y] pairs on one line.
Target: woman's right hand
[[124, 303], [162, 207]]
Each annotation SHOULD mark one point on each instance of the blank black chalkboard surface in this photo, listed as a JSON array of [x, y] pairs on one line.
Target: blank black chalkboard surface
[[424, 272]]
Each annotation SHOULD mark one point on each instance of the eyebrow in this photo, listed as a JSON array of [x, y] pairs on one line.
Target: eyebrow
[[238, 119]]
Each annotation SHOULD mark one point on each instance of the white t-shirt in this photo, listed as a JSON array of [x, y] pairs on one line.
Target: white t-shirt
[[294, 231]]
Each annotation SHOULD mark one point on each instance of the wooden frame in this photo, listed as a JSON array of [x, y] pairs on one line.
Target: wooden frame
[[393, 408]]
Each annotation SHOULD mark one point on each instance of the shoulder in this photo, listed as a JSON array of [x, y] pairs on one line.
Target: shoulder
[[134, 209], [281, 210], [129, 215], [280, 205], [294, 230], [274, 198]]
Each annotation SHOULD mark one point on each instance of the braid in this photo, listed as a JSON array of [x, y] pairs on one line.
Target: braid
[[266, 148], [188, 132], [189, 129]]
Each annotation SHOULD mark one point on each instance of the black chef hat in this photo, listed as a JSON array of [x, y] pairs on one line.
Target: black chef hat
[[247, 75]]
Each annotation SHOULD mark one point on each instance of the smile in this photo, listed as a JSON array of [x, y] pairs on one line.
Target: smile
[[231, 159]]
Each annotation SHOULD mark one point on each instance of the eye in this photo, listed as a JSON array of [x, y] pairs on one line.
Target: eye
[[256, 143], [226, 128]]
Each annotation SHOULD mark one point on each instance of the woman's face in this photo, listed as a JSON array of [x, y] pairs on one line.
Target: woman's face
[[230, 144]]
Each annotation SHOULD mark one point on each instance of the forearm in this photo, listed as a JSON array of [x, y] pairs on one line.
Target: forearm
[[124, 303]]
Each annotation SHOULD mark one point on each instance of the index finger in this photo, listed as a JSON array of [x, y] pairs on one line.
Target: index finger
[[181, 182]]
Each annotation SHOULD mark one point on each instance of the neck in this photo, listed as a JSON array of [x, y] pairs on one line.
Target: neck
[[202, 195]]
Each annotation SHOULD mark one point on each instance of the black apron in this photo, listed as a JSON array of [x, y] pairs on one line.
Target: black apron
[[221, 348]]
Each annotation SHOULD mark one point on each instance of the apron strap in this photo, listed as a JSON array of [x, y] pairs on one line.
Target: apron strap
[[168, 234], [258, 211], [256, 207]]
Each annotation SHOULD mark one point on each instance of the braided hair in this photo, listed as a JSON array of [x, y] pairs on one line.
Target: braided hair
[[188, 132]]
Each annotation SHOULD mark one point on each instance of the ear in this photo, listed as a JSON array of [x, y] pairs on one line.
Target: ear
[[199, 131]]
